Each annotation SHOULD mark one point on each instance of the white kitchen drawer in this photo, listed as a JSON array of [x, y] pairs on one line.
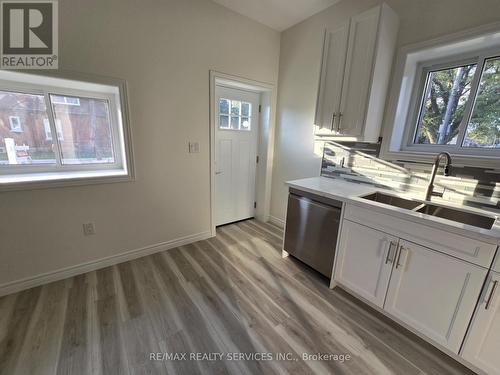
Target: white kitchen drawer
[[496, 266], [468, 249]]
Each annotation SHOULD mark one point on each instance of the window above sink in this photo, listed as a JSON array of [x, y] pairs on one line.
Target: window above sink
[[442, 101], [458, 107]]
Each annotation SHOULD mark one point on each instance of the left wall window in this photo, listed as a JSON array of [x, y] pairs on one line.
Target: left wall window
[[60, 129]]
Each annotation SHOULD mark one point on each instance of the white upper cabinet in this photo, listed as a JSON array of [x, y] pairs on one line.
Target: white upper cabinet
[[355, 72], [332, 75], [364, 261], [434, 293], [482, 345]]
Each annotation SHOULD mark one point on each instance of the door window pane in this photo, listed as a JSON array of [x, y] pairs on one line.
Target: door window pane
[[87, 131], [246, 109], [235, 107], [445, 97], [224, 106], [484, 126], [235, 122], [223, 121], [245, 123], [22, 133]]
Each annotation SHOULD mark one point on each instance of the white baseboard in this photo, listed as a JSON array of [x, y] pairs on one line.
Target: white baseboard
[[263, 218], [63, 273], [277, 221]]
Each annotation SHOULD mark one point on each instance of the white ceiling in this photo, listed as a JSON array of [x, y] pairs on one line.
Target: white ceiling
[[277, 14]]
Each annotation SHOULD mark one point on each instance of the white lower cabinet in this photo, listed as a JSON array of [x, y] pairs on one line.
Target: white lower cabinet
[[434, 293], [364, 261], [482, 345]]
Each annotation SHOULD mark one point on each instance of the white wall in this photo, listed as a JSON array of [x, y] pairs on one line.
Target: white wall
[[164, 49], [296, 155]]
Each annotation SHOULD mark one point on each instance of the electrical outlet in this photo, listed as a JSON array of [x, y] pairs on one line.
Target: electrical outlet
[[88, 229], [194, 147]]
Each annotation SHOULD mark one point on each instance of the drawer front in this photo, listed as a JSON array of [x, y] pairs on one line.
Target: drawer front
[[470, 250]]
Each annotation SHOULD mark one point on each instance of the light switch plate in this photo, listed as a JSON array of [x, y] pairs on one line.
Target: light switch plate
[[88, 229], [194, 147]]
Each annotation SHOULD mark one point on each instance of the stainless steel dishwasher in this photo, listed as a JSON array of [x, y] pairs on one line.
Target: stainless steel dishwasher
[[312, 227]]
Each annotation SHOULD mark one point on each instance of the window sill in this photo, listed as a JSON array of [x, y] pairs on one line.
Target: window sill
[[49, 180]]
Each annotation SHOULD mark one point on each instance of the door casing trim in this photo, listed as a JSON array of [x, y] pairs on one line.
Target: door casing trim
[[265, 147]]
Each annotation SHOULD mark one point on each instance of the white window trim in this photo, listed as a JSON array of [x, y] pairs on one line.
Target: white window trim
[[15, 129], [403, 100], [19, 177]]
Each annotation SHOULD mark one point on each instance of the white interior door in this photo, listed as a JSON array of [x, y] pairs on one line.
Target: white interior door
[[236, 135]]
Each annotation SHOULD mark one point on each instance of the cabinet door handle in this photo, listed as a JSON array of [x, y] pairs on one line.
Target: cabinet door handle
[[388, 258], [333, 121], [339, 123], [490, 298], [401, 248]]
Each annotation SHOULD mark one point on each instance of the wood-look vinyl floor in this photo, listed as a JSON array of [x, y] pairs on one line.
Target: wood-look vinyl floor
[[229, 294]]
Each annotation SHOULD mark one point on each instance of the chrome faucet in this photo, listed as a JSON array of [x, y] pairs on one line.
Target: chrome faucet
[[447, 168]]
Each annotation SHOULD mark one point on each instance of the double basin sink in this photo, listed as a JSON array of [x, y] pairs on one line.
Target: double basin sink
[[468, 218]]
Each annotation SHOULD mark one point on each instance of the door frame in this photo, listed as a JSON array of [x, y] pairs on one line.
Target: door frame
[[265, 142]]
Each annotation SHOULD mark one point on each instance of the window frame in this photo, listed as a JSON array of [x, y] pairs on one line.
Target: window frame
[[230, 115], [59, 174], [417, 97], [18, 129]]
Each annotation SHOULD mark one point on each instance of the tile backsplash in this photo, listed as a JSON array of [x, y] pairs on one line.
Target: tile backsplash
[[359, 162]]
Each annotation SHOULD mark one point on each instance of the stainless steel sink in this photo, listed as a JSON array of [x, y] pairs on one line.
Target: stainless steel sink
[[392, 200], [468, 218], [464, 217]]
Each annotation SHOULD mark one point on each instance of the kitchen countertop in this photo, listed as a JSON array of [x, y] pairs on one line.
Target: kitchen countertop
[[351, 192]]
